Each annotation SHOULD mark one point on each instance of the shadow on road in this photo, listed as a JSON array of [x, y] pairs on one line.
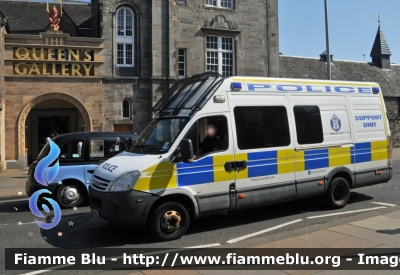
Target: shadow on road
[[9, 207], [90, 232], [390, 232]]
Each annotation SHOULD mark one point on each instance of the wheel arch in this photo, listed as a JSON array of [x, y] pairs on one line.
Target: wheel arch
[[182, 196], [343, 172]]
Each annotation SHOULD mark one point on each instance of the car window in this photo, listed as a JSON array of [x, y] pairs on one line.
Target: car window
[[208, 135], [72, 149], [105, 147]]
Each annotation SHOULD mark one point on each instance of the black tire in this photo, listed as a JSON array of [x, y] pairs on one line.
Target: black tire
[[63, 198], [163, 222], [338, 193]]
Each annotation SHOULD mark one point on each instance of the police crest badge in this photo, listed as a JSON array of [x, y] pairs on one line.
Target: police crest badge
[[336, 124]]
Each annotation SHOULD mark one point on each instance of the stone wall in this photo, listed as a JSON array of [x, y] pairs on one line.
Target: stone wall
[[23, 92], [253, 24], [19, 93], [393, 111], [161, 28], [135, 87], [2, 106]]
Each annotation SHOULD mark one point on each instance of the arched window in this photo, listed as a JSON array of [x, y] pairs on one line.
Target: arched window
[[126, 109], [125, 37]]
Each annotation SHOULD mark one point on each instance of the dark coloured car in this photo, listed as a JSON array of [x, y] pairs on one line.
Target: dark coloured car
[[80, 154]]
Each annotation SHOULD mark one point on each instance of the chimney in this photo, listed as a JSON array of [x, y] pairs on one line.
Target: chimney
[[323, 57], [380, 52]]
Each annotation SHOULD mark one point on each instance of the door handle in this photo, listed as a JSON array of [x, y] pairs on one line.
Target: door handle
[[90, 171], [235, 166], [229, 166], [241, 165]]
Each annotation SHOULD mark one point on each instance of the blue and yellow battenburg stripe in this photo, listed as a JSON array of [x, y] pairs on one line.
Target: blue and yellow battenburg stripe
[[265, 163]]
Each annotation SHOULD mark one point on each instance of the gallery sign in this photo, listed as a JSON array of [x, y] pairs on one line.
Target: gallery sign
[[53, 58]]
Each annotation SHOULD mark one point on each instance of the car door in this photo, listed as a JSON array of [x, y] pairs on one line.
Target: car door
[[263, 147], [206, 177], [71, 159], [99, 150]]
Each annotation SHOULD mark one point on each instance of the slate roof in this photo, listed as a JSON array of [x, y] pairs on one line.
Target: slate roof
[[31, 17], [380, 46], [312, 68]]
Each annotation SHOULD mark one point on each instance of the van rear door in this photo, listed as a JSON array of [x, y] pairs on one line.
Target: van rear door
[[371, 150]]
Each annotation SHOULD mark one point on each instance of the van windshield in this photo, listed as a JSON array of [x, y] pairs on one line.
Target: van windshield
[[159, 135]]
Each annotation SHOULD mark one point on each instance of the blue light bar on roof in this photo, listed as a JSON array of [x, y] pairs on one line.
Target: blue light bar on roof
[[375, 90], [236, 86]]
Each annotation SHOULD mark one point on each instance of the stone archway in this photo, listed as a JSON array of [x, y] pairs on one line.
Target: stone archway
[[31, 104]]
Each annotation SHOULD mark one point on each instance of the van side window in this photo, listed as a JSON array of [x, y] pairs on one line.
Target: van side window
[[261, 127], [72, 150], [208, 135], [308, 124], [105, 148]]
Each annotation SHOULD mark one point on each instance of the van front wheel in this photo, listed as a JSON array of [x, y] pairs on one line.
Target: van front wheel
[[169, 221], [338, 193]]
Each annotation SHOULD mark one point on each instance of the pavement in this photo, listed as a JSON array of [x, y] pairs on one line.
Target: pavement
[[12, 184], [368, 230]]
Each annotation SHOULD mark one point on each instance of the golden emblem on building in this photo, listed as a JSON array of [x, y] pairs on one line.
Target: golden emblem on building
[[54, 16]]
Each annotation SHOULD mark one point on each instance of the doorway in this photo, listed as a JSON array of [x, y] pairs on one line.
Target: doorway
[[50, 126], [48, 119]]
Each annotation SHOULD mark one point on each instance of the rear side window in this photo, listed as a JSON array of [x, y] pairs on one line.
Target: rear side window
[[308, 124], [261, 127], [72, 150], [105, 148]]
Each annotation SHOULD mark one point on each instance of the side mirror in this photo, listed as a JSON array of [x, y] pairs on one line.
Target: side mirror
[[186, 150]]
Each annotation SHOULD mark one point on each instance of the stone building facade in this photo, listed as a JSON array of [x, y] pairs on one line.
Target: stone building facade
[[48, 93], [136, 49], [165, 31], [3, 30]]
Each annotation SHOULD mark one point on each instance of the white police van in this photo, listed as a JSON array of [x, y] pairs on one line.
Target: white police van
[[221, 144]]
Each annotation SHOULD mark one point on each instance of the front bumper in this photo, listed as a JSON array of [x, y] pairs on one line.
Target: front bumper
[[125, 208]]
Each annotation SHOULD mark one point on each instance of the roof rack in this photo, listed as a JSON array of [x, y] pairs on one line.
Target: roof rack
[[189, 94]]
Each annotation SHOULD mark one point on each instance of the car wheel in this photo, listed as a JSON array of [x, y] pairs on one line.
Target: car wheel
[[338, 193], [69, 195], [169, 221]]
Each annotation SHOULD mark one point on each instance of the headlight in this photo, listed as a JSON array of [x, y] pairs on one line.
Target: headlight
[[125, 182]]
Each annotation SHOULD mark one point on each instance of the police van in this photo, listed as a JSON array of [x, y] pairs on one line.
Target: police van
[[222, 144]]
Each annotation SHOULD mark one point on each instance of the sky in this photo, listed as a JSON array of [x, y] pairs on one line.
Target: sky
[[353, 25]]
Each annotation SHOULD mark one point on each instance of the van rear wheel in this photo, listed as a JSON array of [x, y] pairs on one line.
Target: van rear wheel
[[169, 221], [338, 193]]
